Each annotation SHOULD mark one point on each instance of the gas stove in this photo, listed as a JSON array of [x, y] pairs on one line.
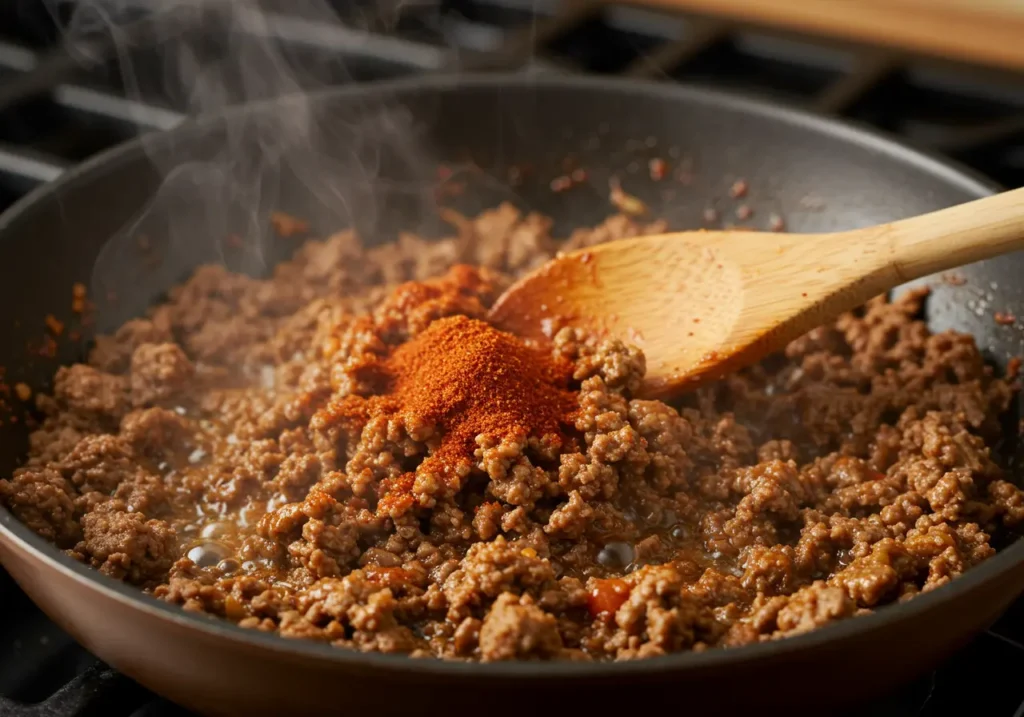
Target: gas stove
[[56, 111]]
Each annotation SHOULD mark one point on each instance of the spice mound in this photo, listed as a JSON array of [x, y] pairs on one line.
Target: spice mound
[[468, 385], [470, 378], [348, 452]]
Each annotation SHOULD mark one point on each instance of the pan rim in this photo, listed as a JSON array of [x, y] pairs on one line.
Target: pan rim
[[866, 139]]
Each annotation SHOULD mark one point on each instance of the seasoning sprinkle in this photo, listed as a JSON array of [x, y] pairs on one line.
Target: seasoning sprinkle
[[625, 203], [658, 169], [561, 183], [285, 225], [55, 325]]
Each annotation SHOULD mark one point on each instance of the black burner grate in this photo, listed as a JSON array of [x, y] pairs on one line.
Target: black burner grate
[[54, 113]]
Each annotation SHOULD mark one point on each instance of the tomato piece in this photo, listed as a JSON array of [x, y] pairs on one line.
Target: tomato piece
[[606, 596]]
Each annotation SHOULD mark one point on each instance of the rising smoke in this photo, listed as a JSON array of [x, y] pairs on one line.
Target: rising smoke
[[203, 57]]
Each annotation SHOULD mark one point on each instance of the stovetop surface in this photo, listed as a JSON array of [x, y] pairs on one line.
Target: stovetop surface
[[54, 113]]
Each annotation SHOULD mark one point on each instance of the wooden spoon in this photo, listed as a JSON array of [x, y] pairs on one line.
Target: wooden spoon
[[703, 303]]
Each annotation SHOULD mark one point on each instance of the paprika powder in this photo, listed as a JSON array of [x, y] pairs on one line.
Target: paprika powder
[[466, 378]]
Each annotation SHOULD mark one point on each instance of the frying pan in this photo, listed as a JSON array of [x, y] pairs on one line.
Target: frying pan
[[818, 174]]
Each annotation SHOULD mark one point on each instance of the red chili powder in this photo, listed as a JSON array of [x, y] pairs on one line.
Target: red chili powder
[[467, 378]]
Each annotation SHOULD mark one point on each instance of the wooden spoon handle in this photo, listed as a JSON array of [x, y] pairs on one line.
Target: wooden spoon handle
[[809, 283], [950, 237]]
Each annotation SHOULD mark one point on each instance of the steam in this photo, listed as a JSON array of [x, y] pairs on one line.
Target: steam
[[204, 57]]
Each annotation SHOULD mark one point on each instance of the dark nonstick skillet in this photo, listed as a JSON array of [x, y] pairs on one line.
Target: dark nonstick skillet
[[816, 174]]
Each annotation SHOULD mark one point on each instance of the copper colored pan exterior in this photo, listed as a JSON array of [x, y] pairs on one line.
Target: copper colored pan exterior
[[52, 239]]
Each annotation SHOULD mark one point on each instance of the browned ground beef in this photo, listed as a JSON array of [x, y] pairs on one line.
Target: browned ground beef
[[190, 457]]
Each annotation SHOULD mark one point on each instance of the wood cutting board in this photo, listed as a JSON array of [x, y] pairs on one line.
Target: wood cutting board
[[989, 32]]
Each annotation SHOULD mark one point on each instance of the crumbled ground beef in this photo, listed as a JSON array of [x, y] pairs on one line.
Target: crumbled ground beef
[[199, 455]]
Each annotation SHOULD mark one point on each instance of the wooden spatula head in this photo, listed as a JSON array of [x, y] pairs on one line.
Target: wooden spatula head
[[673, 296]]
